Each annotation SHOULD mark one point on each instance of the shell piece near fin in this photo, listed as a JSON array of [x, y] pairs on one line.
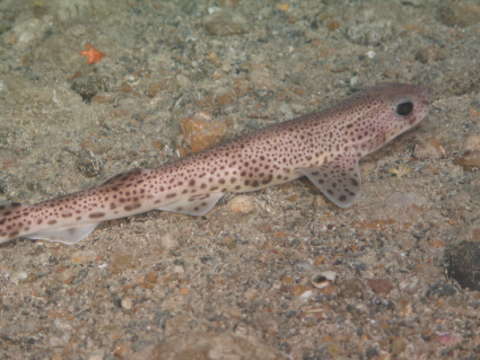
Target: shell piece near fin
[[338, 180], [194, 205], [68, 236]]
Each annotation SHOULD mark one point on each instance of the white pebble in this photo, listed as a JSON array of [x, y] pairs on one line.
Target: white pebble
[[168, 242], [127, 303], [179, 269], [97, 355], [323, 279], [242, 204], [472, 143], [19, 276], [306, 295]]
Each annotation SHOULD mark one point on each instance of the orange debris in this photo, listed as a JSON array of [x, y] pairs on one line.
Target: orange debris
[[93, 55]]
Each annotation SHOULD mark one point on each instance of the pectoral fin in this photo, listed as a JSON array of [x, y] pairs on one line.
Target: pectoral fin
[[68, 236], [338, 180], [194, 205]]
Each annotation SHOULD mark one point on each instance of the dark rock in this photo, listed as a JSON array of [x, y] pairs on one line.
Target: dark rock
[[463, 264]]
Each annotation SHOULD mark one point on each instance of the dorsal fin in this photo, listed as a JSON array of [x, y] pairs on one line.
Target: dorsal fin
[[9, 207], [120, 178]]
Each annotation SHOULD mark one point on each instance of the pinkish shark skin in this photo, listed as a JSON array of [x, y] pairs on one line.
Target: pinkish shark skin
[[323, 146]]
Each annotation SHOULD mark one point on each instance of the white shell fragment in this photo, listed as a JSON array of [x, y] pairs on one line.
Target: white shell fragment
[[323, 279]]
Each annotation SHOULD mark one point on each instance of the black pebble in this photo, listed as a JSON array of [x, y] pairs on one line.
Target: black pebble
[[462, 263]]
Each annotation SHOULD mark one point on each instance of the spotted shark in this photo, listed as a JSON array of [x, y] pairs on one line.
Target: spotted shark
[[323, 146]]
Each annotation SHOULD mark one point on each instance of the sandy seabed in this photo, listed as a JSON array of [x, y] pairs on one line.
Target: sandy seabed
[[245, 281]]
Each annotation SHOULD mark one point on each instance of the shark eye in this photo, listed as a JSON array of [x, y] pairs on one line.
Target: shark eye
[[404, 108]]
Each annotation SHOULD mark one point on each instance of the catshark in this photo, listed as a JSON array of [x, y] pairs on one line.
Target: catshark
[[323, 146]]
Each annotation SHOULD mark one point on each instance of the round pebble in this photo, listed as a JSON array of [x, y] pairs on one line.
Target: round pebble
[[472, 143], [463, 264], [430, 149], [323, 279], [168, 242], [127, 303], [96, 357], [201, 131], [469, 161], [19, 276], [241, 204], [224, 23], [179, 269]]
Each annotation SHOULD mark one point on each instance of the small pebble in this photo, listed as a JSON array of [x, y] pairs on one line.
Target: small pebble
[[260, 75], [200, 131], [406, 199], [168, 242], [380, 286], [429, 149], [472, 143], [283, 7], [241, 204], [370, 34], [127, 303], [56, 341], [306, 295], [463, 264], [27, 32], [183, 81], [151, 277], [83, 256], [398, 346], [3, 86], [441, 289], [122, 350], [229, 3], [459, 14], [96, 356], [154, 88], [430, 54], [400, 171], [447, 339], [225, 23], [178, 269], [19, 276], [323, 279], [469, 161]]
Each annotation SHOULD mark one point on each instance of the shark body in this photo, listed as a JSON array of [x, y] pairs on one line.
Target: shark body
[[324, 146]]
